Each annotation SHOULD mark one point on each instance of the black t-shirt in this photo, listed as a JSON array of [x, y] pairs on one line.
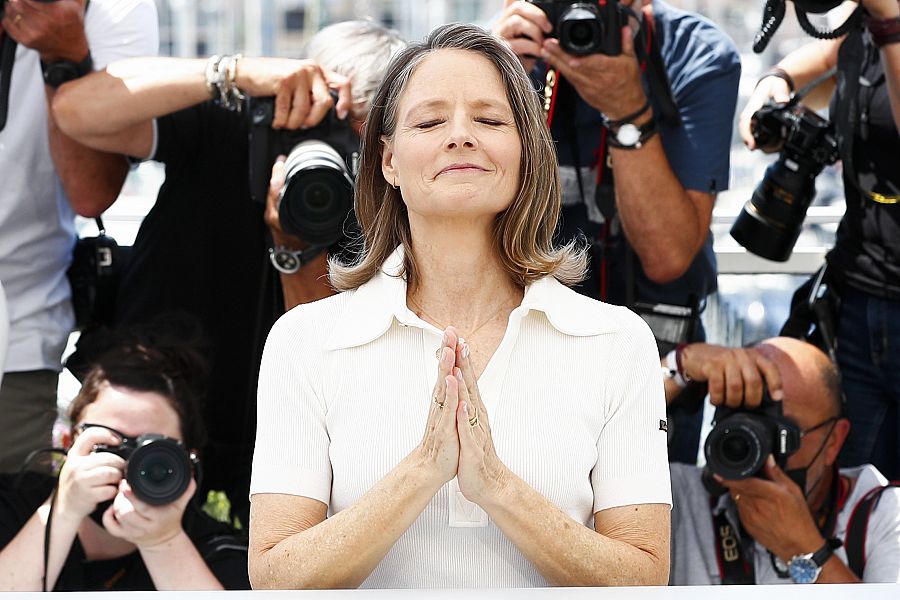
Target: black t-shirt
[[221, 549], [203, 251], [867, 248]]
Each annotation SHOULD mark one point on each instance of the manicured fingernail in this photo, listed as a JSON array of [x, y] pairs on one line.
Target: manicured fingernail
[[458, 374], [778, 395], [770, 461], [465, 351], [465, 407]]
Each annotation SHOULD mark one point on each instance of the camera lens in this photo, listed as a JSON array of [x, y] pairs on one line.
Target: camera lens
[[159, 471], [580, 30], [318, 193], [737, 446]]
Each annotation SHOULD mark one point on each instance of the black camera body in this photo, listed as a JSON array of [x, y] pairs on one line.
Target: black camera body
[[158, 468], [742, 439], [771, 221], [585, 27], [319, 171]]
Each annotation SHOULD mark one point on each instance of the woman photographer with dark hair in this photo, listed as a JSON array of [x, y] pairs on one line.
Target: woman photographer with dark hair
[[864, 265], [393, 453], [101, 534]]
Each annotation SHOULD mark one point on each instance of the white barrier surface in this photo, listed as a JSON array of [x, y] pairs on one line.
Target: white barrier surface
[[770, 592]]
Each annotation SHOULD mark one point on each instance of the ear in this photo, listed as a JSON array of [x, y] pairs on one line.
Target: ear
[[836, 441], [66, 438], [387, 160]]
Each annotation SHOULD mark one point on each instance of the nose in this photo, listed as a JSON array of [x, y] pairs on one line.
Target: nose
[[461, 135]]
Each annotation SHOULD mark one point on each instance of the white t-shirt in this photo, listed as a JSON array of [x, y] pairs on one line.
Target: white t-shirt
[[694, 559], [36, 222], [573, 392]]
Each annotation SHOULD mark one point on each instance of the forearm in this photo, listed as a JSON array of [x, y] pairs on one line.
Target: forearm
[[91, 179], [660, 220], [566, 552], [21, 561], [342, 551], [177, 565], [129, 92]]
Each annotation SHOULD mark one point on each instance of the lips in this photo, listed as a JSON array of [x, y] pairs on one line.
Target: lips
[[459, 167]]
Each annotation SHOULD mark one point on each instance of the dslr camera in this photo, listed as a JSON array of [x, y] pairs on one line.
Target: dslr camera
[[319, 172], [742, 439], [770, 222], [158, 468], [585, 27]]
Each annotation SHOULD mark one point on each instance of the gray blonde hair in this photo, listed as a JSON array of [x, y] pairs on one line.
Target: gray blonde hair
[[523, 233], [360, 51]]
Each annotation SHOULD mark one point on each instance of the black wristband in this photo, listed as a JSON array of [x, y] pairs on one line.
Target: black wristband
[[628, 119], [884, 31], [780, 74]]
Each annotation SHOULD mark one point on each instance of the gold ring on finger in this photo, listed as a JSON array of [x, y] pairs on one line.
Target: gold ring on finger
[[439, 353], [737, 498], [437, 400], [18, 19], [473, 421]]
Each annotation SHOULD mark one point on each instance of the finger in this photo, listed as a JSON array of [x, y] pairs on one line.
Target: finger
[[277, 179], [464, 361], [776, 474], [93, 436], [772, 376], [103, 475], [628, 41], [524, 48], [284, 96], [530, 12], [321, 100], [734, 385], [716, 381], [753, 385], [451, 396], [131, 507], [111, 523], [518, 27], [344, 89], [563, 62], [301, 101]]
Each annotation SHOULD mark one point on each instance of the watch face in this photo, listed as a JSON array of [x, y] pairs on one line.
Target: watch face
[[803, 569], [286, 261], [628, 134]]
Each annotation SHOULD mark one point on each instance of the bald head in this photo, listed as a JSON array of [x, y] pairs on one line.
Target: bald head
[[810, 381]]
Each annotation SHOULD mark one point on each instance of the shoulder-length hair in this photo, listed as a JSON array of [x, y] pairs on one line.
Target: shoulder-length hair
[[523, 233]]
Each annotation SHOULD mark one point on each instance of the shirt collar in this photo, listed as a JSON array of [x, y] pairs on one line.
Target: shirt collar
[[375, 305]]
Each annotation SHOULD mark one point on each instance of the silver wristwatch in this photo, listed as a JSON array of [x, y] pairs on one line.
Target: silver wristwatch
[[289, 261]]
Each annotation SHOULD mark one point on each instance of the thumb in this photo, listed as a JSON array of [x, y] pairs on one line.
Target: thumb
[[775, 473], [627, 41]]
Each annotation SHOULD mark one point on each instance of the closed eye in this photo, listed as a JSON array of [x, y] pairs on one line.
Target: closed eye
[[492, 122], [429, 124]]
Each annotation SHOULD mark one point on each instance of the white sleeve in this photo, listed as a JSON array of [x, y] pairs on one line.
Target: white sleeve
[[883, 540], [118, 29], [632, 456], [292, 443]]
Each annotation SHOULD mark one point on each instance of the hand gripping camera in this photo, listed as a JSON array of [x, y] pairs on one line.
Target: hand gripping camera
[[585, 27], [321, 165], [741, 440], [158, 468], [770, 222]]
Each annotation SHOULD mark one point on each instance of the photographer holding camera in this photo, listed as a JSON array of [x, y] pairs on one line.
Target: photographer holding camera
[[642, 127], [771, 505], [204, 249], [864, 265], [44, 175], [120, 515]]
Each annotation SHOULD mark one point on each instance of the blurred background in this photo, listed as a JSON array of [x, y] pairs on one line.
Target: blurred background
[[753, 293]]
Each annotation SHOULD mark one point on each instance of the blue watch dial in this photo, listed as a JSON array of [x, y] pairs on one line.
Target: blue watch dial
[[803, 569]]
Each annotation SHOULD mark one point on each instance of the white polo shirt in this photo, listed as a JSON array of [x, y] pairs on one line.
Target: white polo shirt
[[37, 231], [573, 392]]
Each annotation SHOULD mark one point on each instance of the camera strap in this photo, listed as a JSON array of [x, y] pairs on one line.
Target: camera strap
[[7, 58], [735, 568]]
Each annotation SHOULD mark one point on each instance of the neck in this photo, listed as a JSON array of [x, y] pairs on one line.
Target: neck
[[822, 493], [460, 281]]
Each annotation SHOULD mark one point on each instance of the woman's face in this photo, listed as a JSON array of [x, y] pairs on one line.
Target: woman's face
[[132, 413], [456, 150]]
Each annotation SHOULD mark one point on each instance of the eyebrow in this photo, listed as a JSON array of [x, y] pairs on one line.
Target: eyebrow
[[441, 103]]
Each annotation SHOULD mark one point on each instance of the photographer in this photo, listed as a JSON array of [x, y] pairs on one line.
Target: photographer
[[102, 530], [644, 204], [778, 525], [204, 248], [864, 265], [44, 175]]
